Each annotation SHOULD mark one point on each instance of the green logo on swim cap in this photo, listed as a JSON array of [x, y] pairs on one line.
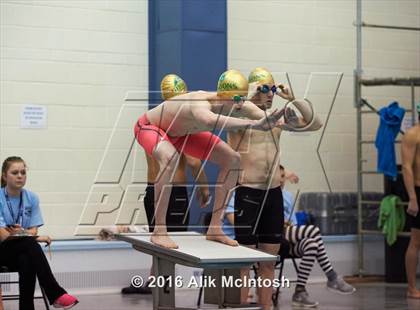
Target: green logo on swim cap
[[257, 77], [179, 85], [228, 86], [231, 83]]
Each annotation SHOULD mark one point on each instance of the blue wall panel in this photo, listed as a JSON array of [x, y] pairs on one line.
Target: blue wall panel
[[203, 58], [188, 38], [205, 15]]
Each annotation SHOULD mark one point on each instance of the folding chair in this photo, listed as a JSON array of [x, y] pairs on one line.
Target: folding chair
[[284, 254], [4, 269]]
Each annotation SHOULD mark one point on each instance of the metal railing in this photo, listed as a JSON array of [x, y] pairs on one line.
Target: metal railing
[[359, 82]]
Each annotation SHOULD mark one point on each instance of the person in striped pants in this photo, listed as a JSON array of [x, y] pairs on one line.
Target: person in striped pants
[[306, 243]]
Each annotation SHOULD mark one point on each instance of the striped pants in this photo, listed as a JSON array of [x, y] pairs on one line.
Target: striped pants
[[306, 243]]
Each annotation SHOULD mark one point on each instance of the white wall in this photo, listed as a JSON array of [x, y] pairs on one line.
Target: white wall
[[300, 37], [78, 59]]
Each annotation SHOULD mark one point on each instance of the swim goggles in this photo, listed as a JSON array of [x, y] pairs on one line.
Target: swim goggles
[[265, 89]]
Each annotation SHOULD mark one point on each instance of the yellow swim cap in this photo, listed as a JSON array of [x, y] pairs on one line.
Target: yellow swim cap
[[261, 76], [172, 85], [232, 83]]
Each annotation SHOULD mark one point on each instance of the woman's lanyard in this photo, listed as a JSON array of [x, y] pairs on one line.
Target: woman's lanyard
[[19, 218]]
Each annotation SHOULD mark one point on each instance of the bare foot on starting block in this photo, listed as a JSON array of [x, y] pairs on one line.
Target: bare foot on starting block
[[218, 236], [163, 240], [413, 293]]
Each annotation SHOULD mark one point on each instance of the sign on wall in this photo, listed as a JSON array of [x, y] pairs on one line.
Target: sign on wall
[[33, 116]]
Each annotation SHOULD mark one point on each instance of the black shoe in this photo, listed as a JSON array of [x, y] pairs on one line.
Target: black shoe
[[145, 290]]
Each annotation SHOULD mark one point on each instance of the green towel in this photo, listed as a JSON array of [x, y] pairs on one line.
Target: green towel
[[391, 217]]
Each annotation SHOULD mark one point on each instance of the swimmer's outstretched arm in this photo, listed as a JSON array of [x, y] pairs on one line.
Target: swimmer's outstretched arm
[[307, 115], [218, 121]]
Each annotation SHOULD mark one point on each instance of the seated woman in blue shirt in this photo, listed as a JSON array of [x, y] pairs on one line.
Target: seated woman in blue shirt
[[20, 217]]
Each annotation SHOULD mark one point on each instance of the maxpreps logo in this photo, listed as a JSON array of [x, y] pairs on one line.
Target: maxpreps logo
[[116, 195]]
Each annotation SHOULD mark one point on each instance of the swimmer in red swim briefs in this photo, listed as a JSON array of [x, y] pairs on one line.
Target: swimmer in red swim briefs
[[184, 126]]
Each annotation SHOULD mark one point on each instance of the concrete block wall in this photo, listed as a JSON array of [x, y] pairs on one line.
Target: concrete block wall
[[78, 59], [318, 37]]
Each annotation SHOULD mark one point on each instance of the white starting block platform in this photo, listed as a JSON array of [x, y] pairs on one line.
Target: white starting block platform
[[195, 251]]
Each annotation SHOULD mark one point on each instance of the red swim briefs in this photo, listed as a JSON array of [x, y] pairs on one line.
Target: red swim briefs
[[198, 145]]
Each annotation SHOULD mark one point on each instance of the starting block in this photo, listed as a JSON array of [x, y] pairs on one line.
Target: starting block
[[218, 260]]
